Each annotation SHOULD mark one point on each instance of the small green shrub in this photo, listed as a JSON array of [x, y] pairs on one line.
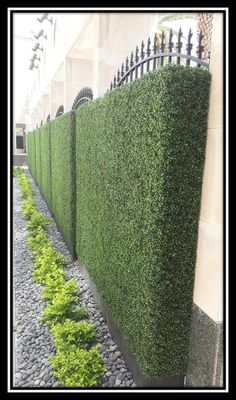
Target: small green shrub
[[29, 207], [49, 255], [78, 367], [25, 186], [17, 171], [63, 305], [53, 281], [73, 337], [71, 334], [37, 220], [37, 240], [82, 313], [47, 270]]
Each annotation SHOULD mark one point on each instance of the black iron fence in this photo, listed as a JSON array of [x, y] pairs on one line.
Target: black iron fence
[[84, 95], [60, 111], [144, 60]]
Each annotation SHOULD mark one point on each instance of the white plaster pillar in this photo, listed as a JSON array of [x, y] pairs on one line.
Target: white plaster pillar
[[117, 35], [57, 97], [40, 112], [78, 74], [46, 107]]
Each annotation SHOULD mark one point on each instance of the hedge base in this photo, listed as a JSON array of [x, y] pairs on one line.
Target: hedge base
[[129, 358]]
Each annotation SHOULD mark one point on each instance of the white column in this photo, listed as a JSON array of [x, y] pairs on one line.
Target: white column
[[46, 107], [78, 74], [57, 97], [117, 35]]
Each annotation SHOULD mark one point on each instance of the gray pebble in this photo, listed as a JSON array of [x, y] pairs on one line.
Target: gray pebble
[[42, 374], [112, 379]]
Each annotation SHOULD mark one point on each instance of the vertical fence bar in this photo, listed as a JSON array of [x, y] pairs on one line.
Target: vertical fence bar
[[170, 46], [131, 65], [200, 47], [189, 46], [127, 69], [114, 82], [122, 72], [162, 46], [154, 52], [136, 61], [142, 56], [148, 52], [179, 45], [118, 76]]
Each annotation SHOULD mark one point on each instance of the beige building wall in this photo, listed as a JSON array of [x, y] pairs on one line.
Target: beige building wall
[[83, 49], [208, 287], [117, 35], [205, 363]]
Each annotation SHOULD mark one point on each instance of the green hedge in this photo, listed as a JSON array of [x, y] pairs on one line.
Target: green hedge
[[140, 155], [31, 155], [62, 132], [46, 162], [38, 169]]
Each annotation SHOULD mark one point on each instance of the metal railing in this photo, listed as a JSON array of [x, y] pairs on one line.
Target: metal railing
[[84, 95], [144, 61], [60, 111]]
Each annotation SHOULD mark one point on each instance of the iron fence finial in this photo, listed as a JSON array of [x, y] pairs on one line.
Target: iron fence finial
[[118, 75]]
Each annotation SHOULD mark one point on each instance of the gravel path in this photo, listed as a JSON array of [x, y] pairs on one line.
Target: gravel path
[[33, 339]]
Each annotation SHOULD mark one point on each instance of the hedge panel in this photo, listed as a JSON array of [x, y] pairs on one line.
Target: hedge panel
[[139, 159], [28, 148], [46, 162], [38, 169], [63, 180], [31, 155]]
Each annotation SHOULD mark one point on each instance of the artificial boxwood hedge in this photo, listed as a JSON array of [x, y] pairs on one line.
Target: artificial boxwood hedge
[[62, 133], [138, 173], [31, 152], [140, 155], [38, 170], [46, 163]]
